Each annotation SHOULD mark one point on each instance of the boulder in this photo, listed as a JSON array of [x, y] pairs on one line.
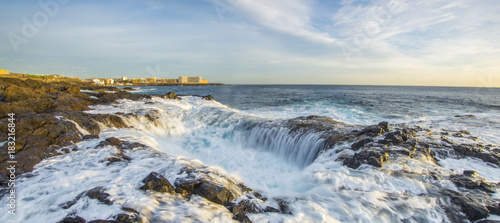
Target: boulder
[[475, 211], [208, 98], [375, 130], [73, 219], [99, 194], [355, 146], [158, 183], [171, 95], [373, 157]]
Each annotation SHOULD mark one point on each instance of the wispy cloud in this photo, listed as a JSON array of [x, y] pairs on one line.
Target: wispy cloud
[[289, 16]]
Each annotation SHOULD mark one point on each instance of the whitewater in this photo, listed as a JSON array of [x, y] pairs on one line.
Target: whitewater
[[247, 139]]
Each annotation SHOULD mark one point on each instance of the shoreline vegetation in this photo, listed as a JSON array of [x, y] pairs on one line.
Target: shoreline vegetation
[[49, 118]]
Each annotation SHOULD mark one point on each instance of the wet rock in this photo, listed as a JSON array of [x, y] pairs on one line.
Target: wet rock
[[217, 189], [477, 152], [493, 207], [127, 218], [208, 97], [313, 123], [465, 116], [470, 204], [114, 141], [215, 192], [242, 208], [73, 219], [158, 183], [99, 194], [373, 157], [375, 130], [474, 211], [171, 95], [455, 215], [361, 143], [488, 221], [86, 137], [470, 180]]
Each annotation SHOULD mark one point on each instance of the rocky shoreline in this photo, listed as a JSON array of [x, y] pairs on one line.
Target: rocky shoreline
[[50, 119]]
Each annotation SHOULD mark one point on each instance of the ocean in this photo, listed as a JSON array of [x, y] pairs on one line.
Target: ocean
[[245, 135]]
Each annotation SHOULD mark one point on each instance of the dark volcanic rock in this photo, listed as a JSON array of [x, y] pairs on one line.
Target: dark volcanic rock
[[217, 189], [114, 141], [361, 143], [157, 183], [215, 192], [375, 130], [171, 95], [474, 211], [73, 219], [477, 152], [208, 97], [85, 137], [373, 157], [99, 194], [471, 180]]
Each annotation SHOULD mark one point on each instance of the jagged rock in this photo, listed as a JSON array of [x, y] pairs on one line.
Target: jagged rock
[[470, 204], [488, 221], [455, 214], [474, 211], [157, 183], [375, 130], [114, 141], [215, 192], [208, 97], [473, 151], [171, 95], [91, 136], [471, 180], [73, 219], [361, 143], [313, 123], [127, 218], [373, 157], [99, 194], [220, 190]]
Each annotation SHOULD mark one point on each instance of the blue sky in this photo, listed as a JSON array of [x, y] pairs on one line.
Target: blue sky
[[380, 42]]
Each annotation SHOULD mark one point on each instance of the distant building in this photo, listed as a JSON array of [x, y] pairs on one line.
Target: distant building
[[152, 80], [171, 81], [183, 79], [136, 81], [194, 79], [98, 81], [4, 72], [203, 81], [110, 81], [124, 78]]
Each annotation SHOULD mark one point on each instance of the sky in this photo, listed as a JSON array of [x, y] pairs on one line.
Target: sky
[[354, 42]]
